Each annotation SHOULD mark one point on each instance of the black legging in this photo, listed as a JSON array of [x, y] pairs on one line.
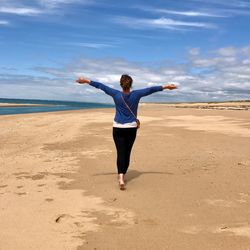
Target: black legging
[[124, 139]]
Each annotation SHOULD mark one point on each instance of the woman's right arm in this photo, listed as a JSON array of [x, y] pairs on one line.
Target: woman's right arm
[[169, 86], [98, 85]]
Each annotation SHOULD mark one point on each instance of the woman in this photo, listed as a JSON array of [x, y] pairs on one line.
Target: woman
[[125, 123]]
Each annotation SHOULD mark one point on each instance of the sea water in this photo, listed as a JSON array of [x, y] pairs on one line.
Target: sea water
[[47, 106]]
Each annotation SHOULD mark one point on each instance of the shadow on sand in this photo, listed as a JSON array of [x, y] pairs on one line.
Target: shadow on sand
[[133, 174]]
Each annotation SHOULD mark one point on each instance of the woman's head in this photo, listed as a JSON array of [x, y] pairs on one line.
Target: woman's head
[[126, 82]]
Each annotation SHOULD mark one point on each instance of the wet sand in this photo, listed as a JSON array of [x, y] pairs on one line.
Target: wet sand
[[187, 187]]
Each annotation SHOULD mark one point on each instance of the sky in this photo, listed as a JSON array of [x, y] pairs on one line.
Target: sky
[[203, 46]]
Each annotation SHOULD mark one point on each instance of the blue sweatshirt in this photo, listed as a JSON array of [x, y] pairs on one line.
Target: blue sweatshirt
[[123, 115]]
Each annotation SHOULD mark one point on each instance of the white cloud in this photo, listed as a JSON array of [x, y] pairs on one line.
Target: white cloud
[[246, 51], [218, 75], [206, 9], [54, 2], [194, 51], [20, 11], [203, 62], [58, 3], [90, 45], [226, 3], [192, 13], [36, 7], [4, 22], [228, 51], [163, 23], [215, 61], [246, 62]]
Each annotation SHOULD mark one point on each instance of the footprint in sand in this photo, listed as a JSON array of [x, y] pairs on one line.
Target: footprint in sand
[[238, 229], [219, 203], [49, 199], [21, 193], [243, 198], [244, 163], [149, 222], [192, 230]]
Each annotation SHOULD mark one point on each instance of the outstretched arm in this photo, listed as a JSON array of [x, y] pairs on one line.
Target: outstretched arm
[[82, 80], [151, 90], [169, 86], [98, 85]]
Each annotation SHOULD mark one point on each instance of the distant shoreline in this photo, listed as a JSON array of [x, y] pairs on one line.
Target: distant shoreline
[[24, 106], [230, 105], [224, 105], [10, 105]]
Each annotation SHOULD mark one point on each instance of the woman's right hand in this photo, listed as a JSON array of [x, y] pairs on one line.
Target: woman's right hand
[[82, 80]]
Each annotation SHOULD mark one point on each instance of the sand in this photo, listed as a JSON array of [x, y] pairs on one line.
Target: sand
[[187, 187], [234, 105]]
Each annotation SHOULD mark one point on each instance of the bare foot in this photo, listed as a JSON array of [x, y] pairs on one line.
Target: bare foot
[[122, 187], [121, 181]]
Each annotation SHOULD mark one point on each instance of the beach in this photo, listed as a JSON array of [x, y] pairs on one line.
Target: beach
[[233, 105], [187, 186]]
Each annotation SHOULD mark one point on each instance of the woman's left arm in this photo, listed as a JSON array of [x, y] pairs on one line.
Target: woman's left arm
[[151, 90]]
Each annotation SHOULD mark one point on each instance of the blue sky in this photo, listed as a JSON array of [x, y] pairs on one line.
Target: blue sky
[[201, 45]]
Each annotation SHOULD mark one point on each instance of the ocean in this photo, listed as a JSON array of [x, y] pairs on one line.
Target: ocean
[[49, 106]]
